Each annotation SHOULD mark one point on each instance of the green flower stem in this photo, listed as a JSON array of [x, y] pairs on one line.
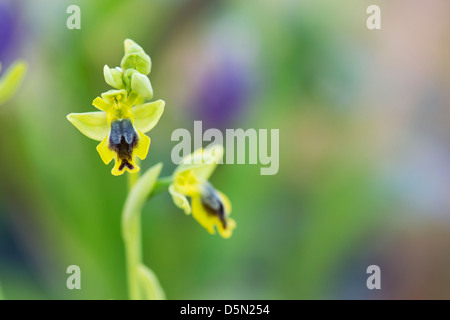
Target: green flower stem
[[141, 281], [162, 185], [150, 284], [132, 235]]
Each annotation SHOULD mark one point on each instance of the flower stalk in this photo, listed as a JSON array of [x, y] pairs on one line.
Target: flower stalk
[[142, 283]]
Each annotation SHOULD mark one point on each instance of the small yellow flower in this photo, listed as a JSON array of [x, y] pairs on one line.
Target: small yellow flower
[[210, 207], [120, 126]]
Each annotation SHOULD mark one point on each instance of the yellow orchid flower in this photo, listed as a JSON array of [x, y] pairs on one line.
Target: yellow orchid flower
[[120, 126], [210, 207]]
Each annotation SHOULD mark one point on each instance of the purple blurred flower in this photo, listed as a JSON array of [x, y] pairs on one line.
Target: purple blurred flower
[[9, 30], [222, 96]]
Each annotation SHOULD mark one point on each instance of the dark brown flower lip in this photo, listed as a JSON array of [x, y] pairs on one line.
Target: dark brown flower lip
[[213, 204], [123, 139]]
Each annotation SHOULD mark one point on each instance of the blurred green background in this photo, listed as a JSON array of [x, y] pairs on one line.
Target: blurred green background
[[364, 148]]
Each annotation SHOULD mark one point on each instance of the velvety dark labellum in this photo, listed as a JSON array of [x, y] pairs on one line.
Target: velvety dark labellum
[[213, 204], [122, 139]]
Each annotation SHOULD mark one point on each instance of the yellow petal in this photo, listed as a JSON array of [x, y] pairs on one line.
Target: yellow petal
[[105, 152], [147, 115], [226, 233], [117, 172], [202, 162], [187, 184], [101, 104], [141, 150], [180, 200], [91, 124], [201, 215]]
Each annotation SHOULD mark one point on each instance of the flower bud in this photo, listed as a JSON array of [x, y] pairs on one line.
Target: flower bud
[[113, 77], [135, 58], [141, 84]]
